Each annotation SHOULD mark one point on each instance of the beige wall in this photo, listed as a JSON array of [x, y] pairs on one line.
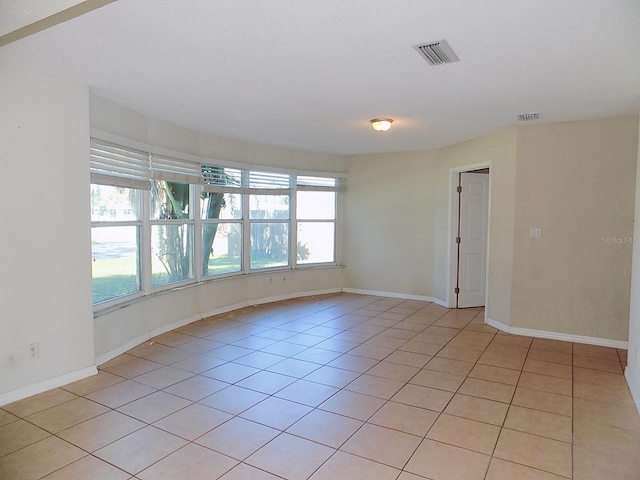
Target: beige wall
[[398, 219], [577, 182], [45, 278], [632, 371]]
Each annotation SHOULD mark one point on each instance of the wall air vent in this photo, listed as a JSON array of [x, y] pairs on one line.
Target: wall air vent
[[437, 53], [528, 117]]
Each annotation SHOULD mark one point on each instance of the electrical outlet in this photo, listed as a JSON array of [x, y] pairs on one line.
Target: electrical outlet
[[34, 350]]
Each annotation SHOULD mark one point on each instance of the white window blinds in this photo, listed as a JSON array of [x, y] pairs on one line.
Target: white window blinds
[[112, 164], [175, 170], [221, 179]]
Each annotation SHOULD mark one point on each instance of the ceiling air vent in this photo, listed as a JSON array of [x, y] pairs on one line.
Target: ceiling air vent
[[528, 117], [437, 53]]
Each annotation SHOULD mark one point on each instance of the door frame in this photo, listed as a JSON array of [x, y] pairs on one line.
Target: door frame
[[452, 251]]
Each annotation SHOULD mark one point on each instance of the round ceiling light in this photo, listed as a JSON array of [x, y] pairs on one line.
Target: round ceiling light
[[381, 124]]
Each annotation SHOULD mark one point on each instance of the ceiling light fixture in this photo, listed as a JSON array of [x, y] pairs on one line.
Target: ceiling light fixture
[[381, 124]]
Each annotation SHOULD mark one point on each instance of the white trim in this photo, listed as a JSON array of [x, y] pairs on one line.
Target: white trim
[[194, 318], [566, 337], [634, 386], [406, 296], [36, 388]]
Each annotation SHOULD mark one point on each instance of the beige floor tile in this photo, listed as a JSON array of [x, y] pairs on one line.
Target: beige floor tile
[[37, 403], [548, 368], [438, 461], [495, 374], [535, 381], [352, 404], [238, 438], [499, 392], [153, 407], [121, 393], [259, 360], [551, 357], [172, 339], [6, 417], [410, 476], [595, 351], [393, 371], [382, 445], [88, 468], [163, 377], [598, 377], [345, 465], [503, 470], [93, 383], [442, 381], [200, 345], [231, 372], [137, 451], [192, 421], [417, 360], [290, 457], [504, 356], [513, 340], [480, 409], [606, 439], [293, 368], [233, 399], [385, 342], [446, 365], [611, 395], [191, 461], [596, 363], [247, 472], [533, 451], [133, 368], [325, 427], [612, 415], [67, 414], [462, 432], [549, 345], [469, 344], [595, 465], [125, 357], [427, 347], [423, 397], [462, 354], [332, 376], [199, 363], [276, 413], [375, 386], [101, 430], [545, 401], [371, 351], [405, 418], [196, 388], [315, 355], [307, 393], [38, 459], [266, 382], [19, 434], [537, 422]]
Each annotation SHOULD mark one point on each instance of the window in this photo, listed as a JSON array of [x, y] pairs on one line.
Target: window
[[269, 218], [115, 242], [221, 215], [316, 219], [159, 221], [117, 176]]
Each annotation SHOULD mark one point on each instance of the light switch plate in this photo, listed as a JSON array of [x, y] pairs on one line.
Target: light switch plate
[[535, 232]]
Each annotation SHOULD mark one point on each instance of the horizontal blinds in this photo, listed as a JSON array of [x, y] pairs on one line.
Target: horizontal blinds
[[175, 170], [222, 179], [112, 164], [327, 184]]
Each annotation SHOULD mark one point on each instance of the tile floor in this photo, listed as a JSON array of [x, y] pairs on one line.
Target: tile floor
[[335, 387]]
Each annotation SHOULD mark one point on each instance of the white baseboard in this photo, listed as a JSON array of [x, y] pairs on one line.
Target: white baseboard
[[105, 357], [634, 386], [406, 296], [29, 391], [527, 332]]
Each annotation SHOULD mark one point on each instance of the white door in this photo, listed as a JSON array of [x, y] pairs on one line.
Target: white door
[[473, 222]]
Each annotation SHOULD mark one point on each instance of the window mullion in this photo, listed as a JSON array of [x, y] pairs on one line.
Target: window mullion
[[145, 260], [293, 229], [197, 231]]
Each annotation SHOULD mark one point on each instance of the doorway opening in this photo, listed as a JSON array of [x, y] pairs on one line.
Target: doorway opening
[[469, 236]]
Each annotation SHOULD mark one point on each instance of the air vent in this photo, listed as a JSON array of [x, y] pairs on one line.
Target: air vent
[[528, 117], [437, 53]]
